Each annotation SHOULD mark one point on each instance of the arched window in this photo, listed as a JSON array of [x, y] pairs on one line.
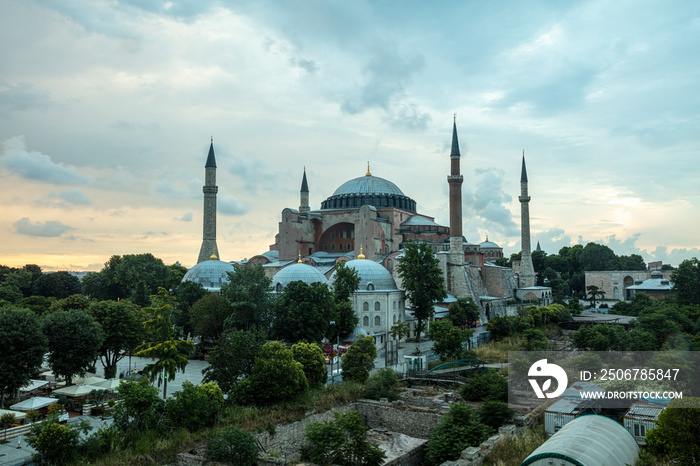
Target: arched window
[[377, 321], [365, 321], [340, 246], [340, 234], [325, 247], [349, 246], [377, 306], [394, 318], [365, 307], [333, 247], [394, 305], [370, 286], [279, 287], [332, 236], [389, 264]]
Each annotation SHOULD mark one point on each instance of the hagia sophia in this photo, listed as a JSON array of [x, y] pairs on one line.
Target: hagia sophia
[[365, 223]]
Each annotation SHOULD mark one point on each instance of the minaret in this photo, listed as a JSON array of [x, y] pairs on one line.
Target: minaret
[[304, 195], [527, 271], [209, 248], [455, 182]]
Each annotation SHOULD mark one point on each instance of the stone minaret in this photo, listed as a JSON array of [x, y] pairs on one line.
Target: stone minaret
[[209, 247], [527, 271], [304, 195], [455, 182]]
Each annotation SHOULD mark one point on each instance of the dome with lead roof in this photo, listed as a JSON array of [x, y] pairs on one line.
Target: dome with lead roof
[[369, 190], [373, 276], [211, 274], [297, 272]]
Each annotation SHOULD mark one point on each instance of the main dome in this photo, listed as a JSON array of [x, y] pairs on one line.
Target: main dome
[[369, 190]]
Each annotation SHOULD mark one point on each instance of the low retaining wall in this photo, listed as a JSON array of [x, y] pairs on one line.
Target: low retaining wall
[[408, 420]]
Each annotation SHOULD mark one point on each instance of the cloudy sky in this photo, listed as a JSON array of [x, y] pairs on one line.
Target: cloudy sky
[[107, 109]]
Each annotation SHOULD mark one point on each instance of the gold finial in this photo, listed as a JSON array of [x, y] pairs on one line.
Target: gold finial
[[213, 254], [487, 238], [299, 260], [368, 173], [523, 152], [361, 256], [455, 118]]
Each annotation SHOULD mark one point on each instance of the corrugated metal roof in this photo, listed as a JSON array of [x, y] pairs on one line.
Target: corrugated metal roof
[[588, 440], [657, 284], [644, 410], [565, 406]]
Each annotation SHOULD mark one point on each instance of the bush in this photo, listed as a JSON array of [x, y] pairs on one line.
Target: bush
[[486, 386], [195, 407], [310, 356], [457, 430], [359, 360], [677, 431], [342, 441], [495, 413], [276, 376], [56, 444], [234, 446], [382, 384]]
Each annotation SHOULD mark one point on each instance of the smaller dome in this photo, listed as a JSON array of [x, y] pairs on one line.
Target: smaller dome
[[211, 274], [297, 272], [489, 245], [373, 276]]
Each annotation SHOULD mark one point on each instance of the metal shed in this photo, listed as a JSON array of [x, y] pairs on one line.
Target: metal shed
[[561, 413], [589, 440], [641, 417]]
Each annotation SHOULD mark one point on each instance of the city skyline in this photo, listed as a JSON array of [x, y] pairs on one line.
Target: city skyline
[[107, 109]]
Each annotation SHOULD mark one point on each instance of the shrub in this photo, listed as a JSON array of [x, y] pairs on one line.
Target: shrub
[[276, 376], [56, 444], [495, 413], [310, 356], [486, 386], [359, 360], [195, 407], [382, 384], [342, 441], [677, 431], [234, 446], [457, 430]]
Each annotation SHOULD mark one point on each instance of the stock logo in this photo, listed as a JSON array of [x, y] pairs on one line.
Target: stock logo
[[543, 369]]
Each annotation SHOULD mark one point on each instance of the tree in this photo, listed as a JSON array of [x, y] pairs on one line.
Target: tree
[[677, 431], [248, 293], [593, 292], [122, 328], [12, 285], [382, 384], [310, 356], [6, 421], [234, 446], [457, 430], [485, 386], [171, 355], [447, 339], [56, 444], [57, 285], [686, 282], [208, 316], [195, 407], [140, 409], [495, 413], [233, 357], [186, 294], [597, 257], [463, 312], [122, 274], [276, 376], [399, 330], [601, 337], [39, 305], [75, 302], [342, 441], [359, 360], [303, 312], [74, 339], [422, 279], [346, 282], [175, 275], [535, 340], [23, 348]]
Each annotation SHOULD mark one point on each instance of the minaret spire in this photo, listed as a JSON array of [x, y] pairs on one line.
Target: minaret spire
[[209, 248], [454, 181], [304, 195], [527, 270]]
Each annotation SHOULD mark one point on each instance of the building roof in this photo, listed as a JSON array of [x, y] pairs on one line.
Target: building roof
[[644, 410], [297, 272], [653, 284], [368, 185], [419, 220], [489, 245], [371, 272], [211, 274], [575, 389], [368, 190], [304, 184], [523, 172], [565, 406], [211, 160], [455, 141], [587, 440]]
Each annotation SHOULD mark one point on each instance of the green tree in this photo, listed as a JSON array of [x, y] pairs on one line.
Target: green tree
[[276, 376], [359, 360], [594, 292], [74, 340], [422, 279], [310, 356], [39, 305], [195, 407], [495, 413], [122, 275], [12, 285], [677, 431], [23, 348], [485, 386], [457, 430], [139, 408], [601, 337], [6, 421], [342, 441], [170, 354], [76, 302], [382, 384], [448, 340], [56, 444], [57, 285], [175, 275], [535, 340], [303, 312], [248, 293], [597, 257], [208, 316], [463, 311], [346, 281], [234, 446], [186, 294], [233, 357], [123, 331], [399, 330], [686, 282]]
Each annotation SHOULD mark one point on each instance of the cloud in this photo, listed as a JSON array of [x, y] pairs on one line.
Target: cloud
[[47, 229], [229, 205], [487, 203], [185, 218], [309, 66], [22, 96], [253, 173], [37, 166], [67, 198]]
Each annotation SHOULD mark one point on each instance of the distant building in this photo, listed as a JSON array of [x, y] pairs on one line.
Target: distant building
[[616, 283], [641, 417], [657, 287]]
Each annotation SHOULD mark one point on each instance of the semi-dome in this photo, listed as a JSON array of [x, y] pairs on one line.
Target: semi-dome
[[210, 274], [369, 190], [373, 276], [297, 272]]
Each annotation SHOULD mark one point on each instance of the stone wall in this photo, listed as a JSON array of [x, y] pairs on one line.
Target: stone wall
[[411, 421]]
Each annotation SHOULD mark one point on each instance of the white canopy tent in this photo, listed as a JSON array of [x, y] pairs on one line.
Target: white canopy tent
[[34, 403]]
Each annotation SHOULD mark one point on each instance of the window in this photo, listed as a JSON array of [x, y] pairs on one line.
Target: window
[[279, 287], [377, 321], [332, 236], [389, 264], [333, 247], [377, 306], [340, 234], [365, 321], [394, 318], [636, 430], [365, 307], [394, 305], [349, 246], [370, 286], [340, 247], [325, 247]]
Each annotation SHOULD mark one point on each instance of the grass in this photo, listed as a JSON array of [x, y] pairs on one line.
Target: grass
[[511, 451], [497, 351]]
